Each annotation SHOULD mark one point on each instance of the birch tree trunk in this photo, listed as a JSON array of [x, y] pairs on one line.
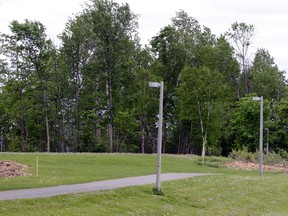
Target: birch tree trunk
[[203, 132]]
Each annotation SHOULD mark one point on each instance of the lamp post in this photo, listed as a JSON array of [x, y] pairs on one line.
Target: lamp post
[[267, 147], [261, 134], [159, 145]]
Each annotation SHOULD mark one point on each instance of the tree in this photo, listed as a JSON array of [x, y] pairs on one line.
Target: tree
[[266, 79], [246, 123], [115, 29], [146, 108], [98, 48], [201, 96], [31, 36], [76, 54], [220, 57], [171, 58], [278, 127], [241, 36], [28, 51]]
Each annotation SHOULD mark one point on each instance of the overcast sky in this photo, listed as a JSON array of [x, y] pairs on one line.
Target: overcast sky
[[270, 18]]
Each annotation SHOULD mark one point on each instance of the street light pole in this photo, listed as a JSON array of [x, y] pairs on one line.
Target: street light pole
[[261, 134], [160, 123]]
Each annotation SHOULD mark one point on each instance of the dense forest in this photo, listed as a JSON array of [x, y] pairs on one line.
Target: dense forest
[[91, 93]]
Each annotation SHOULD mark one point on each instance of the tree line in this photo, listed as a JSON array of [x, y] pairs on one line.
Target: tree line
[[91, 94]]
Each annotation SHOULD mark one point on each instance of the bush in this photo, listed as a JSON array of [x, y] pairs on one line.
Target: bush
[[271, 159], [244, 155], [283, 153], [214, 151]]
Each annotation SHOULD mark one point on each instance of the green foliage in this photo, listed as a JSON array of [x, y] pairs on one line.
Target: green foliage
[[283, 154], [214, 151], [91, 94], [246, 123], [201, 100], [266, 79], [244, 155], [272, 158]]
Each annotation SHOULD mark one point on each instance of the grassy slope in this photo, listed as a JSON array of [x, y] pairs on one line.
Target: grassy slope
[[57, 169], [228, 193]]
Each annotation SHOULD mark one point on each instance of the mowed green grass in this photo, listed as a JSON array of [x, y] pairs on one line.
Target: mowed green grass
[[228, 192], [58, 169]]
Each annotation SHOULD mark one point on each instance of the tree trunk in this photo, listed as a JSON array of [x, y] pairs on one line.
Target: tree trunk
[[203, 133], [110, 135], [98, 113], [191, 137], [204, 147], [110, 114], [45, 108], [179, 140], [164, 138], [143, 140], [45, 105], [62, 147], [1, 142], [76, 125], [47, 132]]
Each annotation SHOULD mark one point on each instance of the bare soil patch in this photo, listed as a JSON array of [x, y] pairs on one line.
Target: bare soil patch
[[10, 169], [251, 166]]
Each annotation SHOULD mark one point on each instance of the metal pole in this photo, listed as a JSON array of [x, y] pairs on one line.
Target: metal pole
[[159, 147], [261, 138]]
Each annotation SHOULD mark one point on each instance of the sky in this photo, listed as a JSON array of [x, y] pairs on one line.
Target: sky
[[270, 18]]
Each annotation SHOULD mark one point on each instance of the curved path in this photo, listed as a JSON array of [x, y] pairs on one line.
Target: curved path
[[92, 186]]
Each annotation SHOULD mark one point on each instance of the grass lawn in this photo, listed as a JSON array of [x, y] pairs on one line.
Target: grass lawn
[[229, 192]]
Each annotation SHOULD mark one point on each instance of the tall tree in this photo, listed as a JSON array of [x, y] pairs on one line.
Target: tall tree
[[201, 94], [115, 28], [103, 39], [241, 36], [76, 53], [171, 58], [31, 36], [220, 57], [246, 123], [28, 51], [267, 80]]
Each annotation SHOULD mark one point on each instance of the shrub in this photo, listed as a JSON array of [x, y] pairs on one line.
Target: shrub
[[214, 151], [244, 155], [283, 153], [271, 159]]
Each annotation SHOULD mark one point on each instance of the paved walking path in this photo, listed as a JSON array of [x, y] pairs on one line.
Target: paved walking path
[[92, 186]]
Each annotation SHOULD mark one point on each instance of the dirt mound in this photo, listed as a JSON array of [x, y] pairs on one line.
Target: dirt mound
[[10, 169], [250, 166]]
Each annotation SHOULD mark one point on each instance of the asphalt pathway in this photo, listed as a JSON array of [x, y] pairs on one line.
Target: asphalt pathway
[[92, 186]]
